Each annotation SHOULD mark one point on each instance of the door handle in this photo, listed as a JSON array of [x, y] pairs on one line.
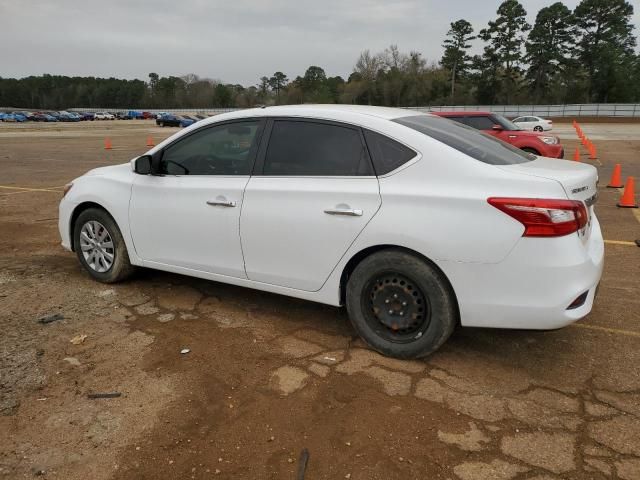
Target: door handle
[[221, 203], [350, 212]]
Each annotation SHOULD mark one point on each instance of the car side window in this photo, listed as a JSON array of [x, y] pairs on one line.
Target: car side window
[[219, 150], [462, 120], [480, 123], [307, 148], [387, 154]]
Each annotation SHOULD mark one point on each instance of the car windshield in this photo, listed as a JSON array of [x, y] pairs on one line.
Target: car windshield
[[505, 123], [476, 144]]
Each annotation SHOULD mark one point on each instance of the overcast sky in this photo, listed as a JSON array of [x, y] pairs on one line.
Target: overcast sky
[[236, 41]]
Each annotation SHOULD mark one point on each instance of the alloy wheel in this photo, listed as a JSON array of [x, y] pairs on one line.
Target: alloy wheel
[[97, 246]]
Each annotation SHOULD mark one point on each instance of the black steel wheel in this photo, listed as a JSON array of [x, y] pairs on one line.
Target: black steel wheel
[[396, 303], [400, 304]]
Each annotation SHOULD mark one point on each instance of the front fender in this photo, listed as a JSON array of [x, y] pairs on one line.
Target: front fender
[[111, 194]]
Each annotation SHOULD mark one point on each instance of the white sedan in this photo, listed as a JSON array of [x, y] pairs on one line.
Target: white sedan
[[104, 116], [416, 224], [537, 124]]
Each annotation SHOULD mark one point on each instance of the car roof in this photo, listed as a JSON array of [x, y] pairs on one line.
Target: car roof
[[460, 113], [331, 112]]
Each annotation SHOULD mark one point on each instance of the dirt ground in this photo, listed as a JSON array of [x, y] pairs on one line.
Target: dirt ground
[[268, 376]]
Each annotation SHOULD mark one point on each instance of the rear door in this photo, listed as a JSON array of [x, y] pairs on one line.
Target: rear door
[[312, 193]]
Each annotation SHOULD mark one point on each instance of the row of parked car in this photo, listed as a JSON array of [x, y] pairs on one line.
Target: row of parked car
[[65, 116], [166, 119]]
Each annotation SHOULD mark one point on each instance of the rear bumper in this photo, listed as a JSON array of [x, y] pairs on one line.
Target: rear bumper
[[533, 286]]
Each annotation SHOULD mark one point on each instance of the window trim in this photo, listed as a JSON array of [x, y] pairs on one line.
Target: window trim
[[258, 170], [156, 158]]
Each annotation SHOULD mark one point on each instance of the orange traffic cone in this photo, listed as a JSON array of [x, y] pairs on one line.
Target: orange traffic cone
[[616, 177], [576, 155], [107, 143], [584, 141], [150, 142], [628, 199], [592, 151]]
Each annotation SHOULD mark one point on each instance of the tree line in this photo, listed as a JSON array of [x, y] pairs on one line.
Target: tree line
[[567, 56]]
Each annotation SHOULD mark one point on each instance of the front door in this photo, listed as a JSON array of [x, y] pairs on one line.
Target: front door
[[188, 216], [312, 194]]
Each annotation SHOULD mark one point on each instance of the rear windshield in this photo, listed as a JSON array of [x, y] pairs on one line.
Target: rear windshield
[[476, 144]]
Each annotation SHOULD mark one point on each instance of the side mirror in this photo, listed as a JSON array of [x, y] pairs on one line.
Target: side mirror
[[142, 165], [497, 127]]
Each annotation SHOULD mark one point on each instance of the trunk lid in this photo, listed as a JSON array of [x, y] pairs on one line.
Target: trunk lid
[[578, 180]]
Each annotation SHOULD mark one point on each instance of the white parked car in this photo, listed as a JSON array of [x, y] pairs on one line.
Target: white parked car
[[104, 116], [413, 222], [537, 124]]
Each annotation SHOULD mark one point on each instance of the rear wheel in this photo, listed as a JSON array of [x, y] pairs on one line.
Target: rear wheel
[[100, 247], [400, 305], [537, 128]]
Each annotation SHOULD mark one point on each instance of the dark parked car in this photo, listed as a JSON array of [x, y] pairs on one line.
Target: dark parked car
[[44, 117], [169, 120], [27, 115]]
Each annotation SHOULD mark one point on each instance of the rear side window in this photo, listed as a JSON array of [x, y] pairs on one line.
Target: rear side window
[[476, 144], [387, 154], [301, 148]]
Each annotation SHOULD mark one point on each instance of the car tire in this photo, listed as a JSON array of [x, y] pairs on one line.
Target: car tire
[[531, 150], [422, 310], [111, 262], [538, 128]]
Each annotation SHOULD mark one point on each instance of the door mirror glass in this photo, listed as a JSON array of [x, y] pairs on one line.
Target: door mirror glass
[[142, 165]]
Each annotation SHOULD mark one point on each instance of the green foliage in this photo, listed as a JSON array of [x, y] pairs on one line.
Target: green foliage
[[549, 49], [277, 82], [456, 45], [606, 47], [505, 39]]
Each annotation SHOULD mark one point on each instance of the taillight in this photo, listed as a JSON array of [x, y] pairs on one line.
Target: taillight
[[544, 218]]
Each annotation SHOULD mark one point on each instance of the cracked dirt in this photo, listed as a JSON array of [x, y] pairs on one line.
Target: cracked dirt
[[266, 376]]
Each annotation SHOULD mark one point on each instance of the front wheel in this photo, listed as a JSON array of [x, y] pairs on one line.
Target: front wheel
[[100, 247], [401, 305], [538, 128]]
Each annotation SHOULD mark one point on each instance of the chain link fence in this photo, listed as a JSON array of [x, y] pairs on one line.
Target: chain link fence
[[628, 110], [623, 110]]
